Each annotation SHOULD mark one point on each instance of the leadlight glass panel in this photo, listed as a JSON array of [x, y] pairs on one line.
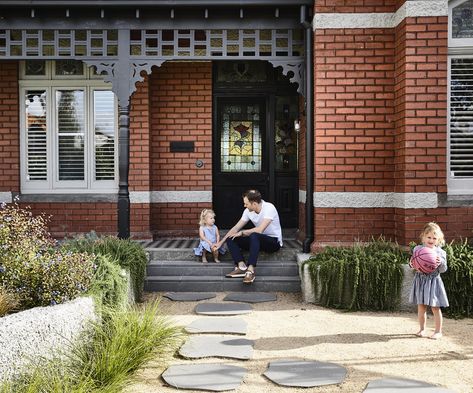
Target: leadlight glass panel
[[287, 109], [240, 143], [69, 68], [241, 71], [462, 20], [461, 118], [70, 134], [36, 135], [35, 68]]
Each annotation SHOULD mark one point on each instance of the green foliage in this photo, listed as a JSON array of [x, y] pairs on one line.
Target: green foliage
[[32, 268], [362, 277], [105, 360], [8, 302], [458, 279], [127, 253], [124, 343], [109, 285]]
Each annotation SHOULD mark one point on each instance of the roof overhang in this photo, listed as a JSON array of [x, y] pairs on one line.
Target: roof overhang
[[152, 14]]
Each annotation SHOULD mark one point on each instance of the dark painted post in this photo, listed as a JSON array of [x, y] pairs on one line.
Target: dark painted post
[[309, 135], [123, 93], [123, 169]]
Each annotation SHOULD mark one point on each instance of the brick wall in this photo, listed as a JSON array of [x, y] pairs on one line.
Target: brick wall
[[140, 159], [359, 6], [354, 127], [69, 219], [181, 110], [9, 128], [421, 116]]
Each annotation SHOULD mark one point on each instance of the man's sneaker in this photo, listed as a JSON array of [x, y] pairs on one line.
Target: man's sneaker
[[237, 272], [249, 277]]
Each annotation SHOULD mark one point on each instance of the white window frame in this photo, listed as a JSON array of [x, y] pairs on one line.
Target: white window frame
[[458, 48], [89, 83]]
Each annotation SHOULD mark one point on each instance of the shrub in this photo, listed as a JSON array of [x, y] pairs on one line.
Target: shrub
[[129, 254], [8, 302], [361, 277], [458, 279], [106, 359], [32, 268], [109, 284], [124, 342]]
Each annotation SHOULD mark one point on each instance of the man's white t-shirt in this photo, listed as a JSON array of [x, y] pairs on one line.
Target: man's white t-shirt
[[267, 211]]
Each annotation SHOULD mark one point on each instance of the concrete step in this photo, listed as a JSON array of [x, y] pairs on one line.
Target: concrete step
[[173, 254], [221, 284], [194, 268]]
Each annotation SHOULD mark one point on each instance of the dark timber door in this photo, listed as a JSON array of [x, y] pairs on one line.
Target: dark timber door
[[254, 140], [241, 157]]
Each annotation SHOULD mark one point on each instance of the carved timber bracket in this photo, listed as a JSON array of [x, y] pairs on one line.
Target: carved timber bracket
[[295, 70], [123, 75]]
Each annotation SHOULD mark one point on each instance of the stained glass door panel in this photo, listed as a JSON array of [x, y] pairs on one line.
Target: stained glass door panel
[[240, 138], [240, 155]]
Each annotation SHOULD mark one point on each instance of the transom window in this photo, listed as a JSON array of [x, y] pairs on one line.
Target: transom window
[[68, 129], [460, 140]]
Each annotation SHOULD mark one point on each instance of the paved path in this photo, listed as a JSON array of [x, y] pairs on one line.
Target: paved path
[[371, 346]]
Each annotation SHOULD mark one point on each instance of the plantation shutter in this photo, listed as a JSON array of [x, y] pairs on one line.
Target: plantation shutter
[[36, 135], [70, 134], [461, 118], [104, 134]]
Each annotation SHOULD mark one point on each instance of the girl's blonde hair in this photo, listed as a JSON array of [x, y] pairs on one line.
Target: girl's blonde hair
[[432, 227], [203, 214]]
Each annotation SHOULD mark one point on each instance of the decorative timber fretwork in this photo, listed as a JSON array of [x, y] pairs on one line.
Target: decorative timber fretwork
[[121, 55], [295, 72]]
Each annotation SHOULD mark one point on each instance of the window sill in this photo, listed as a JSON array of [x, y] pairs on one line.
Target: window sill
[[445, 200], [70, 198]]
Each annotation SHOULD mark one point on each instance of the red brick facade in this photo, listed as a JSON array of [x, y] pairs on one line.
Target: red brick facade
[[380, 127]]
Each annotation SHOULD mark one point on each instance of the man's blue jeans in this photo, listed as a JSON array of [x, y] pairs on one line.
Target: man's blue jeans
[[256, 242]]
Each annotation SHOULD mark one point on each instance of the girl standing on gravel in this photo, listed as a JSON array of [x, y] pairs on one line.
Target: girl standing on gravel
[[209, 236], [427, 288]]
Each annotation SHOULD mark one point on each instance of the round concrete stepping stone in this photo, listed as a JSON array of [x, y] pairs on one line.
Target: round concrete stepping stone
[[303, 373], [189, 296], [251, 297], [218, 346], [396, 385], [225, 325], [223, 309], [213, 377]]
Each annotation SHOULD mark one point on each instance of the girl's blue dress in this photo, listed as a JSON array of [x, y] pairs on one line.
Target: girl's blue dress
[[428, 289], [210, 234]]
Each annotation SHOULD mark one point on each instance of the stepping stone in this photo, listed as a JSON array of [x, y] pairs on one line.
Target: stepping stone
[[225, 325], [189, 296], [213, 377], [251, 297], [396, 385], [223, 309], [301, 373], [218, 346]]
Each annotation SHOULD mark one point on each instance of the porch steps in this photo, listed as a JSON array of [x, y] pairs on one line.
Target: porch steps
[[177, 269]]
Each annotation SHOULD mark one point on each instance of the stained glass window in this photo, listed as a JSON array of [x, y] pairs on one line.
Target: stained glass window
[[285, 136], [240, 143], [462, 20]]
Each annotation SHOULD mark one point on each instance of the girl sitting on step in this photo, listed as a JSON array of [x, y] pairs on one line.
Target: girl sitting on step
[[209, 237]]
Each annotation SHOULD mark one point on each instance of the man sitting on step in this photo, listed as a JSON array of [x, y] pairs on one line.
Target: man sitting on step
[[265, 236]]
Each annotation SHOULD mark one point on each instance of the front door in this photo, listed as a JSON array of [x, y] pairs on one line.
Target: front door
[[240, 155], [254, 140]]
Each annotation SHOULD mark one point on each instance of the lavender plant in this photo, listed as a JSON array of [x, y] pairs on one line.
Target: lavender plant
[[30, 265]]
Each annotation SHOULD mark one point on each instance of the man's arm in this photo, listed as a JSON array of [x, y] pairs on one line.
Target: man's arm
[[233, 232], [259, 229]]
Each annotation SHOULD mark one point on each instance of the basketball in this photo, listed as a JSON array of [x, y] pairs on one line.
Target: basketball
[[424, 260]]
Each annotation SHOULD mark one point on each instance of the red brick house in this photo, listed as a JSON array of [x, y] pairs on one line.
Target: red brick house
[[354, 117]]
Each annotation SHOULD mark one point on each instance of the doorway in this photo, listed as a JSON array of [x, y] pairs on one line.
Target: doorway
[[254, 141]]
